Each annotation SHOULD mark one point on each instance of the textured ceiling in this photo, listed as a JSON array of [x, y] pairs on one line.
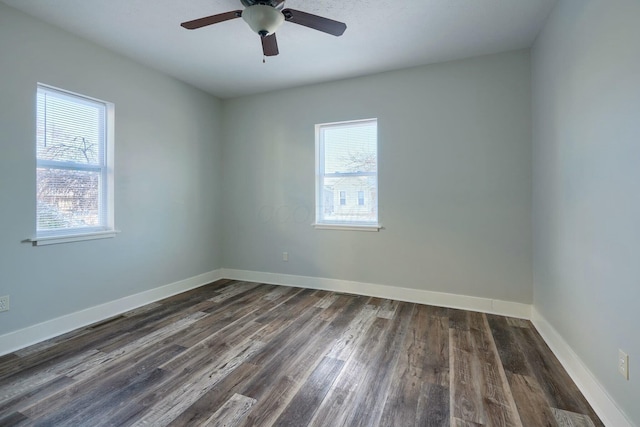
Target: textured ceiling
[[226, 59]]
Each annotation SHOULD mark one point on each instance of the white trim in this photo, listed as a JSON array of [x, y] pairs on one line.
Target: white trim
[[51, 328], [68, 238], [610, 414], [321, 174], [105, 168], [347, 227], [485, 305]]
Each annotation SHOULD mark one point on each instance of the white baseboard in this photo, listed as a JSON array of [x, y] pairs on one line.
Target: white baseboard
[[592, 390], [51, 328], [485, 305]]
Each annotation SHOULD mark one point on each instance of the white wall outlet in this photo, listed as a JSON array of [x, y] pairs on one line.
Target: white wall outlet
[[285, 256], [4, 303], [623, 364]]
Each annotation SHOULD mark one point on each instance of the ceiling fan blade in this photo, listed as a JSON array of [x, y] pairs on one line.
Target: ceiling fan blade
[[270, 45], [316, 22], [213, 19]]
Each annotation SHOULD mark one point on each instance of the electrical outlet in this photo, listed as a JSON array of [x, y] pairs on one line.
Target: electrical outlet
[[4, 303], [623, 364], [285, 256]]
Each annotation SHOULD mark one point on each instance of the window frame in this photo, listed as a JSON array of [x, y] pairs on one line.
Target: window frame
[[105, 168], [320, 222]]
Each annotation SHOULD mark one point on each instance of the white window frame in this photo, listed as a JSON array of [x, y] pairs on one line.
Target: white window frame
[[320, 222], [106, 169]]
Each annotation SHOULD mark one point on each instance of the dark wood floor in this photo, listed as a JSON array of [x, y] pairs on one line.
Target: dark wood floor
[[246, 354]]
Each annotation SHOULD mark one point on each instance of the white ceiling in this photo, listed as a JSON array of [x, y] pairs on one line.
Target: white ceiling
[[226, 59]]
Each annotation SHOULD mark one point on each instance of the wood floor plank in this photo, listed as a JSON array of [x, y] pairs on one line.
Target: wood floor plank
[[98, 365], [365, 407], [94, 401], [518, 323], [201, 409], [172, 405], [326, 300], [571, 419], [433, 409], [288, 372], [511, 354], [434, 363], [248, 354], [466, 399], [226, 333], [458, 319], [232, 291], [499, 406], [34, 395], [14, 419], [279, 292], [28, 380], [533, 407], [335, 408], [271, 405], [353, 333], [423, 358], [458, 422], [222, 316], [232, 412], [142, 310], [560, 391], [8, 360], [301, 408], [286, 313], [388, 309]]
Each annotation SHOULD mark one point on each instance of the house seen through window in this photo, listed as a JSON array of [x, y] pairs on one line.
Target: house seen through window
[[347, 173], [74, 172]]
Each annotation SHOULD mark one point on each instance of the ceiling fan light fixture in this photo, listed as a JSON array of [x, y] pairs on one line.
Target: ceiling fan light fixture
[[263, 19]]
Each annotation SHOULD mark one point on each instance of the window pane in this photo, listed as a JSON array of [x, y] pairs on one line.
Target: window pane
[[341, 199], [67, 199], [69, 128], [347, 173], [351, 148]]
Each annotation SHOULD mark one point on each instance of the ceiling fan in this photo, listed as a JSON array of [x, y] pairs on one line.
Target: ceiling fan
[[265, 17]]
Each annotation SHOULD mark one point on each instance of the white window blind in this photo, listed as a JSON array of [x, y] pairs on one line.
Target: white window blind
[[347, 173], [74, 164]]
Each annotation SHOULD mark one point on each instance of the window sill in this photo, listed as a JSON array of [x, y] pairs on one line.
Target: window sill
[[68, 238], [347, 227]]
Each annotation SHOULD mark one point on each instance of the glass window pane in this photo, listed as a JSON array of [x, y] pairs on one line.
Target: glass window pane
[[351, 148], [67, 199], [69, 129], [341, 199]]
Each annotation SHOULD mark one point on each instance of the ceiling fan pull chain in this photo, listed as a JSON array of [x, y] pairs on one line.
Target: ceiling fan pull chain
[[264, 59]]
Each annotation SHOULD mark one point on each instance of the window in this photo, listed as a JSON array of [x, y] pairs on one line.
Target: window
[[346, 170], [74, 175], [343, 198]]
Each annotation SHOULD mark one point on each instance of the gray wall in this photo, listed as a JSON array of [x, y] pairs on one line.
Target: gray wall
[[167, 182], [455, 179], [586, 206]]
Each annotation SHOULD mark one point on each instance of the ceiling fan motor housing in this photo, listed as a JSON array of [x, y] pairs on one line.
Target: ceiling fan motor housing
[[263, 19]]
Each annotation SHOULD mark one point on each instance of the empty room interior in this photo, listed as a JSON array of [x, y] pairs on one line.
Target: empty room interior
[[407, 213]]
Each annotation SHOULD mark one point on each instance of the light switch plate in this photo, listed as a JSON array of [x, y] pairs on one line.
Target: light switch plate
[[623, 364], [4, 303]]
